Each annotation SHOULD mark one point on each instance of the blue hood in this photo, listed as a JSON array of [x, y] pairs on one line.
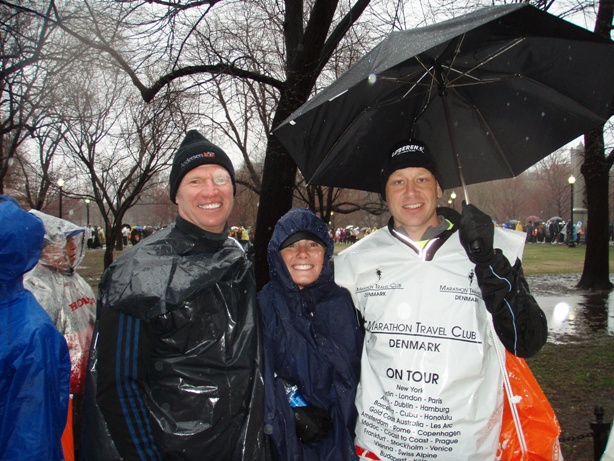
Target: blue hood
[[21, 242], [295, 220]]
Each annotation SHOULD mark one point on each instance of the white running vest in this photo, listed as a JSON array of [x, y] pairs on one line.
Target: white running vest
[[431, 385]]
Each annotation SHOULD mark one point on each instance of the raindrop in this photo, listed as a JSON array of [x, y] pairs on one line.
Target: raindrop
[[526, 138], [372, 78], [543, 114], [292, 122]]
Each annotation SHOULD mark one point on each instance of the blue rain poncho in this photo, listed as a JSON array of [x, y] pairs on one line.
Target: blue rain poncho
[[34, 363], [312, 339]]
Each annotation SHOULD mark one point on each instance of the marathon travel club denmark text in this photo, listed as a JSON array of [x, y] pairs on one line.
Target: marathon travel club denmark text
[[412, 422]]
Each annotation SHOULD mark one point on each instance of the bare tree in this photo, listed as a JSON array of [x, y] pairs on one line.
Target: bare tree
[[305, 38], [595, 169], [120, 151], [553, 172], [38, 175], [29, 71]]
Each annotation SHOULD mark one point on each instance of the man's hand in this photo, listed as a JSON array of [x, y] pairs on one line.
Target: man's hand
[[476, 232], [312, 423]]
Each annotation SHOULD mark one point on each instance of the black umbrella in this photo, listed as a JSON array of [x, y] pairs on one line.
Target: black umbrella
[[491, 93]]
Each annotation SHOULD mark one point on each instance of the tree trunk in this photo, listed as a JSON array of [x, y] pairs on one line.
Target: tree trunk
[[596, 172], [596, 273], [276, 195], [112, 236]]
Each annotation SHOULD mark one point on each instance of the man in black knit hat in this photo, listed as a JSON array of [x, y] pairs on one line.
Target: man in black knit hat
[[428, 286], [175, 368]]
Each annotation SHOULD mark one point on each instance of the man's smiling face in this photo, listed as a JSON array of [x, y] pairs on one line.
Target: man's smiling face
[[412, 195], [205, 197]]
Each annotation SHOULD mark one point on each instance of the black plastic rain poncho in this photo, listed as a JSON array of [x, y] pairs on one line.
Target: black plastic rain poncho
[[175, 362], [313, 340]]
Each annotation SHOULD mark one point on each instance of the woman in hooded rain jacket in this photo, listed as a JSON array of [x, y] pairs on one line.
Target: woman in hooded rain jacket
[[312, 340], [34, 362]]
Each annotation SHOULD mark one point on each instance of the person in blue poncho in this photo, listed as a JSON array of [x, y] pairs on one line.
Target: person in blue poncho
[[34, 361], [312, 346]]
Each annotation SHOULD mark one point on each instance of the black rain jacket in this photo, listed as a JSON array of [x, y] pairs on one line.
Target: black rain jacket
[[175, 366]]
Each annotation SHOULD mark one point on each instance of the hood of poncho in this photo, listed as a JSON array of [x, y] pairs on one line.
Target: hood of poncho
[[21, 240], [298, 219], [57, 232]]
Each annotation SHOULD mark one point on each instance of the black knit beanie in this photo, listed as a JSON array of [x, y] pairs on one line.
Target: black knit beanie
[[412, 153], [194, 151]]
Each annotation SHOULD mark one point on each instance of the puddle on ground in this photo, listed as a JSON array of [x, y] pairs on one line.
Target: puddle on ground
[[572, 312]]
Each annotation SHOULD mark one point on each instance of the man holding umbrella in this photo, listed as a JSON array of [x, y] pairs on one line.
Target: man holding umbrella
[[427, 286]]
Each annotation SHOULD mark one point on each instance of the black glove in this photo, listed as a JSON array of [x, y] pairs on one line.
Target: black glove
[[312, 423], [476, 232]]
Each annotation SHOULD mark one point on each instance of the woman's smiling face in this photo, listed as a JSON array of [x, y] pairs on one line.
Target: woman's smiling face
[[304, 260]]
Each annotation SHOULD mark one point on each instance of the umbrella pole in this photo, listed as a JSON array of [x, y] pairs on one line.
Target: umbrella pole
[[452, 133], [477, 246]]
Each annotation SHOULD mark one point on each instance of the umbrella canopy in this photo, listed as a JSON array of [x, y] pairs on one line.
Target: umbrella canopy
[[556, 218], [534, 219], [491, 93]]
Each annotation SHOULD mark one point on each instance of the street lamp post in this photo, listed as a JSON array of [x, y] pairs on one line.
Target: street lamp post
[[60, 185], [570, 239], [87, 212]]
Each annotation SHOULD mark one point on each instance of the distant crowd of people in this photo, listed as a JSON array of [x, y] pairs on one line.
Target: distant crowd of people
[[242, 233], [95, 237], [553, 232], [351, 234], [134, 234]]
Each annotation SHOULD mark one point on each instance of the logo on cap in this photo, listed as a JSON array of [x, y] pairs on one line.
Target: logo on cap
[[408, 148], [196, 157]]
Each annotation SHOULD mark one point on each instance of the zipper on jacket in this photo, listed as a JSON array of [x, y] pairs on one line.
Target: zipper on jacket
[[422, 252]]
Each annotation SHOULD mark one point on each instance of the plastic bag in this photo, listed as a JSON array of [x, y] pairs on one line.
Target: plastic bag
[[539, 423]]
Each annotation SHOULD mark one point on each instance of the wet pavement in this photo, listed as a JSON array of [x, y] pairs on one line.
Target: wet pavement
[[572, 313]]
